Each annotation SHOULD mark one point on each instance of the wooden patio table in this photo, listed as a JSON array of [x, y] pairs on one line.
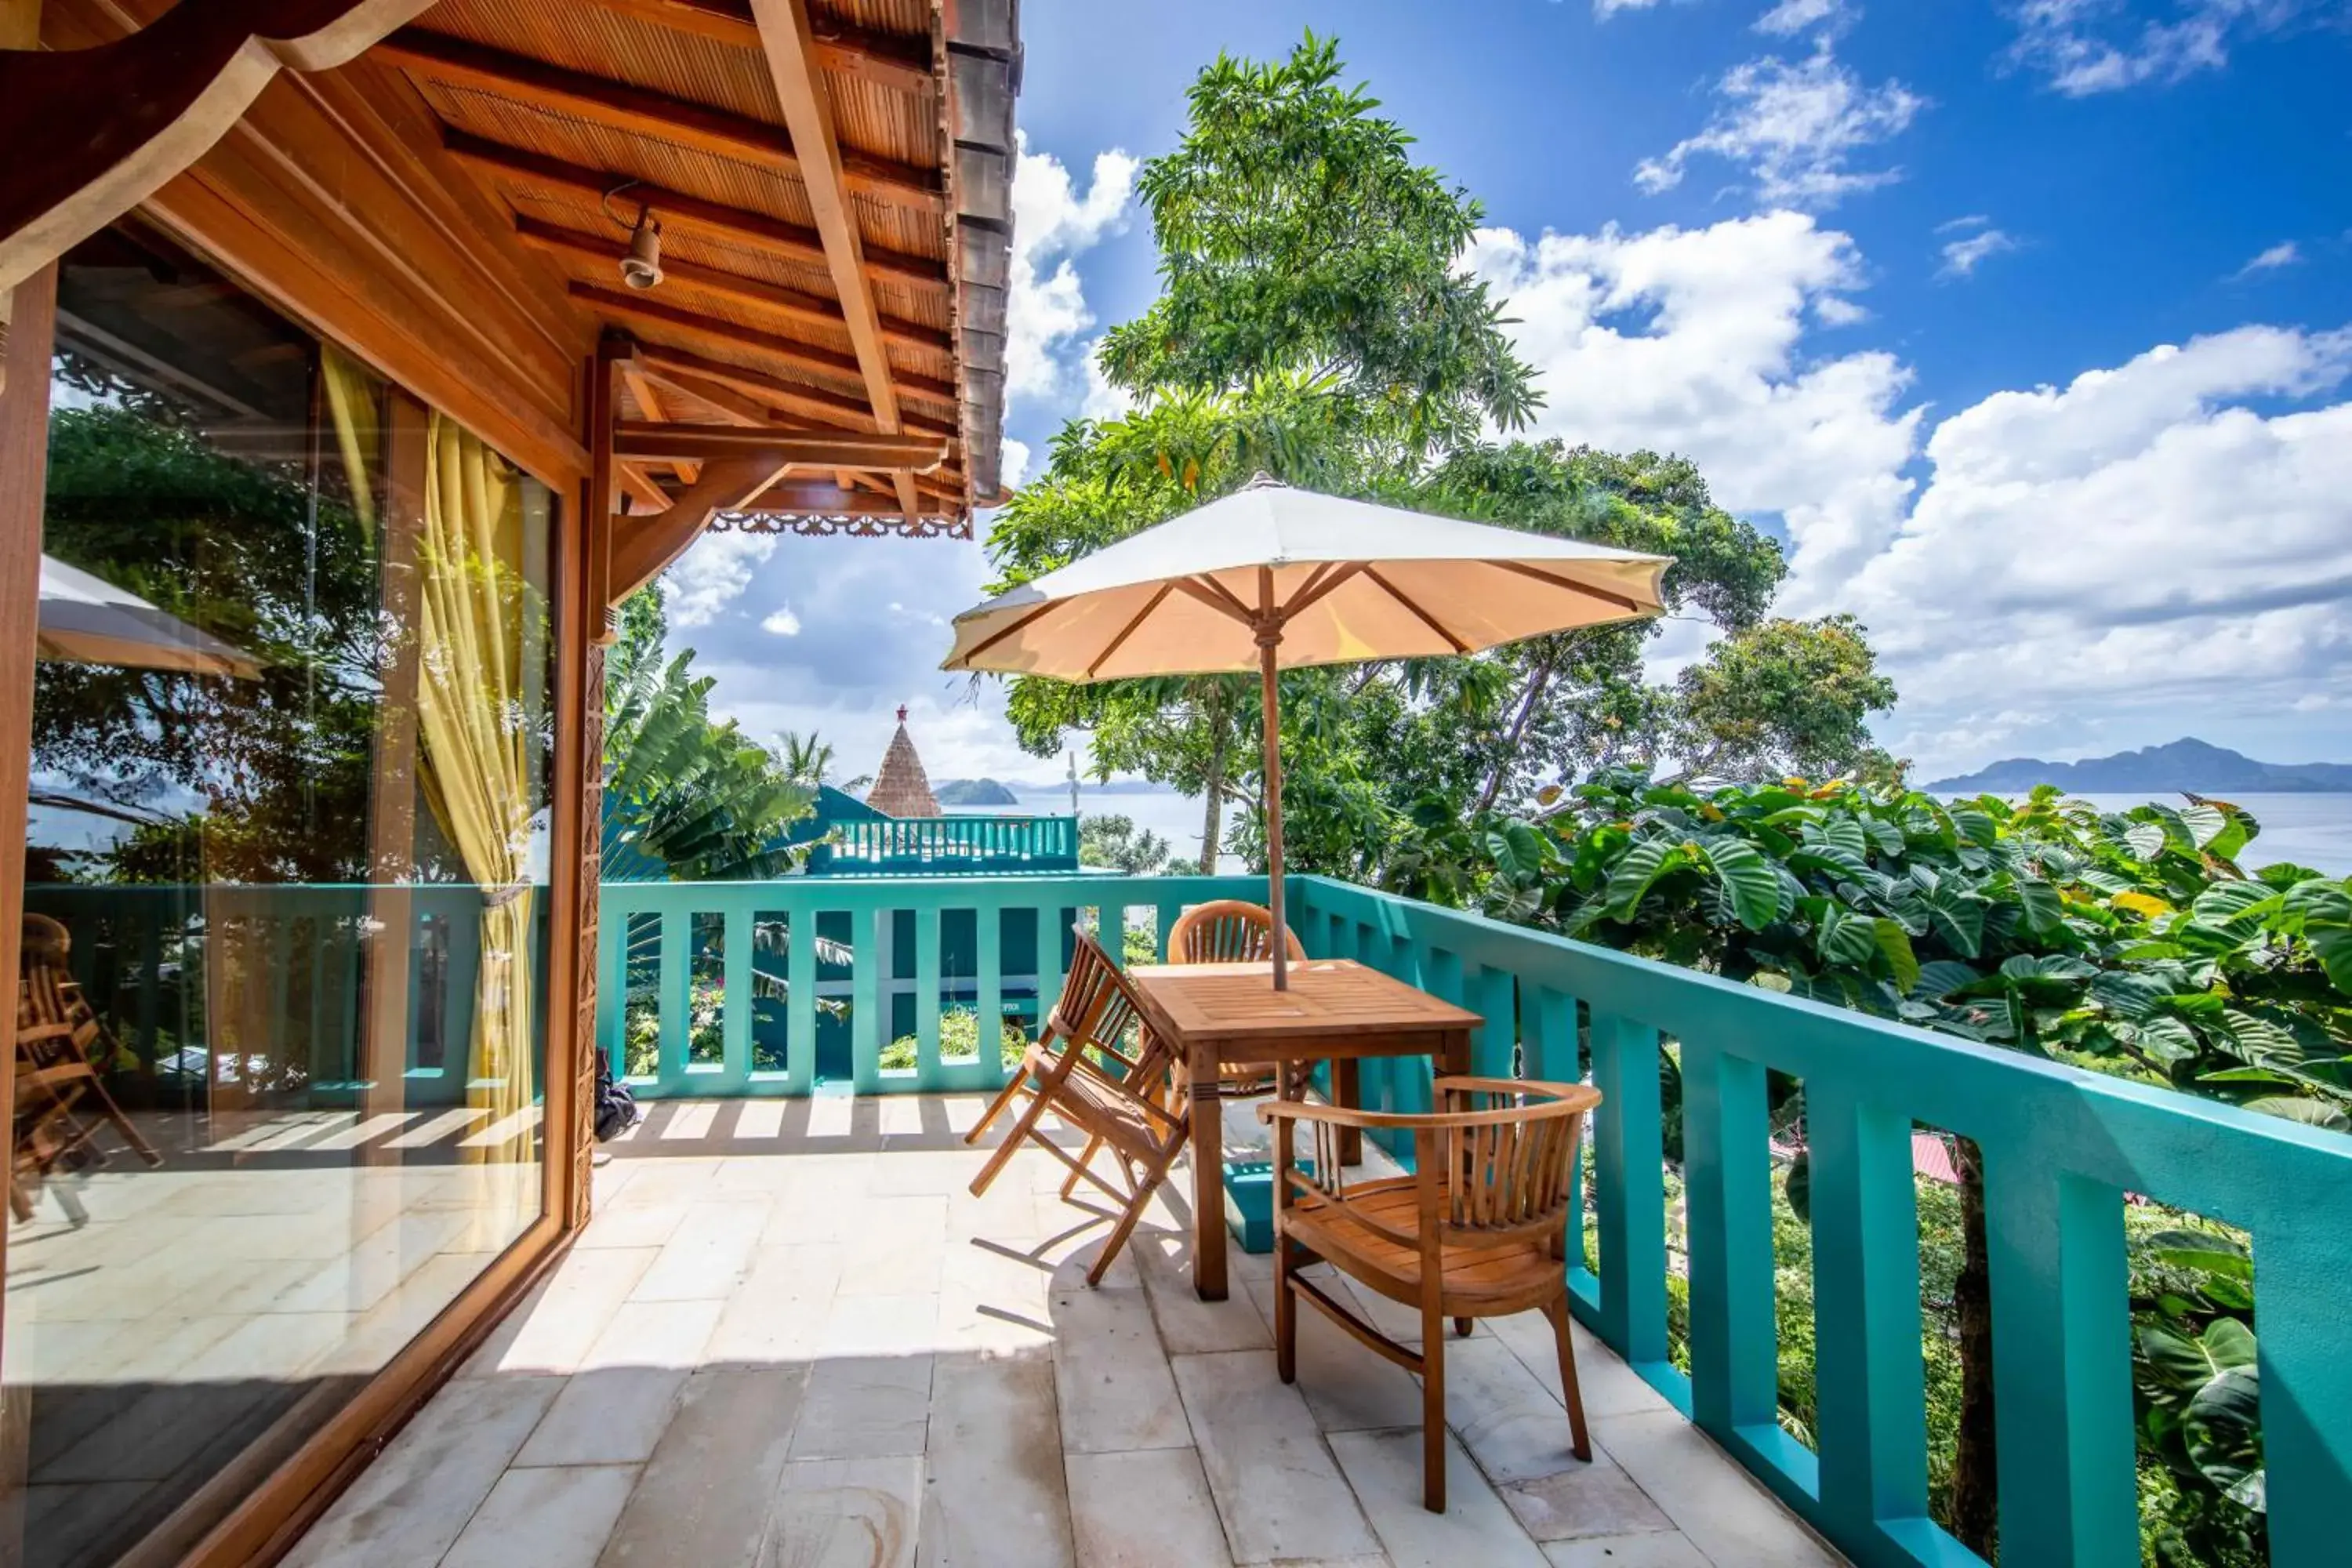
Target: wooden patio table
[[1336, 1010]]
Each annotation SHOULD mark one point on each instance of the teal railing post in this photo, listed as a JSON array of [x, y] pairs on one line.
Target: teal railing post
[[866, 1020], [1871, 1388], [1629, 1167], [2061, 1364], [1163, 924], [739, 994], [677, 998], [1051, 933], [1728, 1195], [988, 961], [800, 1001], [2306, 1390], [611, 981], [1495, 996], [927, 995]]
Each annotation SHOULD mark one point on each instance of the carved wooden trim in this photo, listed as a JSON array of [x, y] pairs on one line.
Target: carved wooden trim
[[114, 123], [584, 967]]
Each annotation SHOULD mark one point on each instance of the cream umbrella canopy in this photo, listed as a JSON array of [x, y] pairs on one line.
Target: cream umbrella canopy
[[1272, 578], [85, 619]]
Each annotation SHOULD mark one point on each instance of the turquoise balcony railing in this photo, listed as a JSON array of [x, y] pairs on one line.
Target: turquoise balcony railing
[[948, 846], [780, 987]]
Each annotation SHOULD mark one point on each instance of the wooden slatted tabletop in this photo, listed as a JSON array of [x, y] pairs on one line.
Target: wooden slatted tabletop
[[1336, 1010]]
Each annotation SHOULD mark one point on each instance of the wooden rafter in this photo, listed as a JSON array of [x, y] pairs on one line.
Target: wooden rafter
[[823, 498], [96, 130], [887, 59], [640, 440], [641, 112], [784, 351], [735, 225], [641, 547], [790, 46], [757, 293], [828, 408], [649, 401]]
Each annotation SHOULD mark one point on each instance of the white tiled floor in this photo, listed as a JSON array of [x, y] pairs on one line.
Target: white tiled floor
[[782, 1346]]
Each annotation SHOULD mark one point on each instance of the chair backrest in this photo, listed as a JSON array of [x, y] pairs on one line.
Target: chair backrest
[[1512, 1171], [1097, 1006], [1228, 930]]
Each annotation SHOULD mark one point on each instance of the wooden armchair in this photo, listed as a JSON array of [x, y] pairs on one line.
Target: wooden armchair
[[58, 1085], [1231, 931], [1123, 1097], [1480, 1230]]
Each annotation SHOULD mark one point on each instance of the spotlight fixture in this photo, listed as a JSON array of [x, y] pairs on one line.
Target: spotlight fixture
[[640, 268]]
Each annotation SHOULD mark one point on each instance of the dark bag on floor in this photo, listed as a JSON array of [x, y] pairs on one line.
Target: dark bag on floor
[[617, 1108]]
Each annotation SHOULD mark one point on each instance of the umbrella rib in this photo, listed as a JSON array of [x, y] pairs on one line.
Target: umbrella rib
[[1128, 630], [1319, 585], [1431, 622], [1541, 575], [993, 639], [1217, 596]]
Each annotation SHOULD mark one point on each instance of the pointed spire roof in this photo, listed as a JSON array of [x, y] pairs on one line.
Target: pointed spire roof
[[901, 788]]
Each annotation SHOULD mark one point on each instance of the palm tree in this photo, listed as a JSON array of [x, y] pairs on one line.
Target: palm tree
[[689, 799]]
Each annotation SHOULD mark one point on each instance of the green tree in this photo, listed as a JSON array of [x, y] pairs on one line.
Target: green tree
[[1116, 842], [1783, 697]]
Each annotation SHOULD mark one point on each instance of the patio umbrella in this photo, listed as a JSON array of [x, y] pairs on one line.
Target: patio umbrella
[[88, 620], [1272, 577]]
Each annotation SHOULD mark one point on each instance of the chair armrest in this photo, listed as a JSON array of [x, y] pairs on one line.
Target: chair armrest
[[1566, 1100]]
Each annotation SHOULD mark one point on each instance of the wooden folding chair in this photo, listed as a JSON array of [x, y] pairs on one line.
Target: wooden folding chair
[[1124, 1098], [1479, 1230], [56, 1081], [1233, 931]]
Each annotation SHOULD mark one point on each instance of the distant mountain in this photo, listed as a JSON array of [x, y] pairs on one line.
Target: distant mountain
[[973, 791], [2185, 764]]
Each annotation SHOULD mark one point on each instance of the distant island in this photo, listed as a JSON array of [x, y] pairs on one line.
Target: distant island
[[2185, 764], [974, 791]]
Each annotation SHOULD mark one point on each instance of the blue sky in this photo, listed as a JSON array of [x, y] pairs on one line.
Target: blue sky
[[2027, 325]]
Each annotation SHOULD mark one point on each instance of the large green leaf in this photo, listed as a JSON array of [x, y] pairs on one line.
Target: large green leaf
[[1895, 943], [1517, 849], [1958, 918], [1637, 869], [2204, 823], [1844, 938], [2204, 1251], [2302, 1107], [1749, 880], [2223, 1427]]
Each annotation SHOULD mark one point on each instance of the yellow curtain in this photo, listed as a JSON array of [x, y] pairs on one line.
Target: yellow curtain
[[476, 713]]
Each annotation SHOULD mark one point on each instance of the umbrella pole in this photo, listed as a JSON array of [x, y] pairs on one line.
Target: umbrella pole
[[1270, 700]]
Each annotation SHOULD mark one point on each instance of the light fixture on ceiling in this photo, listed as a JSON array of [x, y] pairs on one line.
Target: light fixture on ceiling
[[641, 265]]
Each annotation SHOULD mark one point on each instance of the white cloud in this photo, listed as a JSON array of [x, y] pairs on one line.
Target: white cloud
[[2286, 253], [1012, 462], [1103, 401], [1974, 239], [1687, 340], [712, 575], [1605, 9], [2061, 570], [782, 622], [2086, 47], [1795, 128], [1792, 17], [1053, 224]]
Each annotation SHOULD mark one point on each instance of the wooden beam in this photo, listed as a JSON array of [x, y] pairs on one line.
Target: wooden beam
[[641, 547], [896, 60], [640, 486], [637, 440], [112, 124], [755, 291], [649, 400], [643, 111], [735, 225], [788, 351], [823, 498], [828, 407], [790, 45]]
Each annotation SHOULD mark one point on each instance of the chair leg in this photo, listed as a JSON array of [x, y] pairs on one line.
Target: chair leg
[[1070, 1183], [1003, 1152], [1141, 1195], [1462, 1327], [1432, 1402], [1004, 1096], [1285, 1312], [1557, 1313]]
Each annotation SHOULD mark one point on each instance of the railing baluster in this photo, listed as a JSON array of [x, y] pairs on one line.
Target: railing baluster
[[677, 998], [1629, 1179], [1727, 1172], [1051, 930], [2061, 1353], [800, 1000], [1164, 923], [927, 995], [611, 982], [1873, 1431], [1494, 1048], [739, 994], [866, 1020], [988, 963], [2306, 1391]]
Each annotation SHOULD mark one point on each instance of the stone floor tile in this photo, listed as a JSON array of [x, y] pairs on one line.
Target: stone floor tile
[[778, 1314], [899, 1245], [706, 1495], [1188, 1325], [994, 1482], [614, 1416], [864, 1407], [707, 1256], [1611, 1387], [880, 1326], [554, 1328], [1348, 1387], [1112, 1374], [554, 1517], [1709, 1496], [1277, 1489], [1511, 1423], [409, 1506], [654, 1333], [845, 1513], [1595, 1499], [632, 1224], [1664, 1550], [1150, 1509], [1386, 1469]]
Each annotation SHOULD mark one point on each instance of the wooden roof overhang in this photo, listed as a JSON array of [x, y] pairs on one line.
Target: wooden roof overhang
[[832, 179]]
